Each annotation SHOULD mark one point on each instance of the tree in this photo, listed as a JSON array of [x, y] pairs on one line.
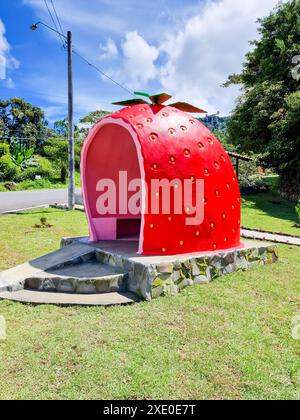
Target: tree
[[21, 119], [89, 120], [56, 150], [94, 117], [267, 117], [61, 129]]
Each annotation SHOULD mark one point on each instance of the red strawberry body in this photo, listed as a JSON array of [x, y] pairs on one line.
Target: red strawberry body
[[172, 144]]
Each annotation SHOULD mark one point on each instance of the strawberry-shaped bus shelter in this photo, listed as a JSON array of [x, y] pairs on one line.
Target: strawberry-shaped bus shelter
[[151, 140]]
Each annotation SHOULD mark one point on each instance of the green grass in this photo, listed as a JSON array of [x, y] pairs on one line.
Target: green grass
[[269, 212], [230, 339], [20, 241]]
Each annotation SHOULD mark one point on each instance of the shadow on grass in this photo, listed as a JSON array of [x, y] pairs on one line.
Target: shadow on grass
[[38, 212], [273, 205]]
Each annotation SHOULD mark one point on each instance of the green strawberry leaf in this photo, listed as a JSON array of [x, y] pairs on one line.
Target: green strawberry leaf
[[142, 94], [131, 102]]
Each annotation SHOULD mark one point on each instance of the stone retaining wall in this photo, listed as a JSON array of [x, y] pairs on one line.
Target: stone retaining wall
[[150, 280]]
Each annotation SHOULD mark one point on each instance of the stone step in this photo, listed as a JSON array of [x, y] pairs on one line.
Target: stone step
[[89, 277], [66, 299], [14, 278]]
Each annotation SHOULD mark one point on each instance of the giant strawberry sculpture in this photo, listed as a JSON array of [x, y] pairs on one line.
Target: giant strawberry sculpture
[[153, 140]]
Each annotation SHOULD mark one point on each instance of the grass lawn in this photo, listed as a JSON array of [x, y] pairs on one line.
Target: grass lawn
[[269, 212], [20, 241], [229, 339]]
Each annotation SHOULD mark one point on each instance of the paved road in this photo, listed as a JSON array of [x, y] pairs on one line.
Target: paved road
[[10, 201]]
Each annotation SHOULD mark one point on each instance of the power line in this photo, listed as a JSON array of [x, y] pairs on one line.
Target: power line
[[54, 23], [102, 72], [57, 18], [34, 27]]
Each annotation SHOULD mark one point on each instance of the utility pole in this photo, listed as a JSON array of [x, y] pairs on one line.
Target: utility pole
[[71, 140], [71, 187]]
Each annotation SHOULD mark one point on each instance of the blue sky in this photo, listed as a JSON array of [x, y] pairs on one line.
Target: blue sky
[[184, 47]]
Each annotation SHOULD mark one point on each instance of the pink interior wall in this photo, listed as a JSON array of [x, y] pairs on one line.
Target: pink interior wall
[[112, 150]]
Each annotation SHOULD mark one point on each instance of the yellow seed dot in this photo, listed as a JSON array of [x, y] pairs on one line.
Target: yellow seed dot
[[164, 250], [170, 219], [181, 243], [225, 239], [224, 216], [197, 233], [212, 225], [214, 246], [151, 226]]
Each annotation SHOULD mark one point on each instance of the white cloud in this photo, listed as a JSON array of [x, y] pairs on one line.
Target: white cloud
[[211, 46], [189, 49], [139, 58], [4, 46], [109, 50], [7, 61]]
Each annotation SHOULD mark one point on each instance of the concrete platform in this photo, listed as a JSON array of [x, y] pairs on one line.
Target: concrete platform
[[14, 279], [65, 299], [82, 268], [153, 276]]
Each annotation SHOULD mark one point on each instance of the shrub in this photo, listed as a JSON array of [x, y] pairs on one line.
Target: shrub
[[43, 168], [57, 151], [298, 209], [8, 170], [20, 153], [78, 146], [254, 181], [4, 149]]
